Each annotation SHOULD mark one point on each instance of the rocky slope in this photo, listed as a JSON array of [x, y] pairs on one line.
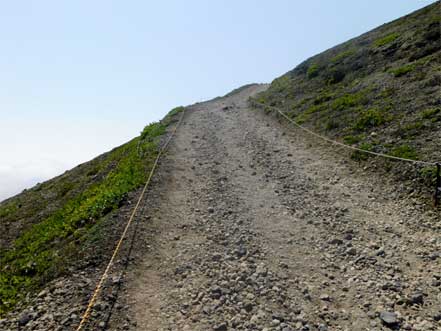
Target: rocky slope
[[379, 91]]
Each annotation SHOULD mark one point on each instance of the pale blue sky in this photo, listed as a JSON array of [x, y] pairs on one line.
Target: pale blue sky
[[80, 77]]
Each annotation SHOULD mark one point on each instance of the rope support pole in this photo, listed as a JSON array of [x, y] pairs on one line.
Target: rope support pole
[[438, 184]]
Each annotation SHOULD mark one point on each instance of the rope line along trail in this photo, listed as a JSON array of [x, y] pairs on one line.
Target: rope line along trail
[[104, 276], [434, 164]]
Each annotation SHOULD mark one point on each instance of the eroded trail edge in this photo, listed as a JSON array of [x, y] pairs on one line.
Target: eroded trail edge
[[250, 227]]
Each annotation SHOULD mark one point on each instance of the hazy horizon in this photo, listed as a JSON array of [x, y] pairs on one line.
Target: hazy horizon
[[79, 79]]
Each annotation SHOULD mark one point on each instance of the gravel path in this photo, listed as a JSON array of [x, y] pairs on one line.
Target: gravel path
[[253, 227]]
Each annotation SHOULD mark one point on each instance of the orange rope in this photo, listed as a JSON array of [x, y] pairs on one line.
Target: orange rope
[[97, 290]]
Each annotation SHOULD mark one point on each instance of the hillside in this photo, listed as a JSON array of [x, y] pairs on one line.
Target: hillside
[[250, 224], [48, 228], [379, 91]]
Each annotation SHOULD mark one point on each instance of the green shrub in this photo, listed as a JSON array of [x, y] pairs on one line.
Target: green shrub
[[348, 100], [306, 115], [401, 71], [342, 55], [370, 118], [386, 40], [411, 129], [332, 124], [351, 140], [176, 110], [405, 151], [8, 209], [334, 76], [431, 113], [360, 156], [152, 130], [324, 97], [313, 71], [428, 174]]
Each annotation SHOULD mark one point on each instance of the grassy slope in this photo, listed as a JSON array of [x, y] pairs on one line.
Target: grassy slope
[[379, 91], [46, 226]]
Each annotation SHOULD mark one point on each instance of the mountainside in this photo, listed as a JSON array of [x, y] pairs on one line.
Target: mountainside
[[48, 227], [379, 91], [250, 224]]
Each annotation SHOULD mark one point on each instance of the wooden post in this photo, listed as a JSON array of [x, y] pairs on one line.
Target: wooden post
[[438, 184]]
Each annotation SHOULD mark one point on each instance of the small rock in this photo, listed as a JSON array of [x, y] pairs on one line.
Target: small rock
[[389, 318], [221, 327], [24, 319]]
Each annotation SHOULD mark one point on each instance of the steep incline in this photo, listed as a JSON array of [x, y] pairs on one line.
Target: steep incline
[[253, 227]]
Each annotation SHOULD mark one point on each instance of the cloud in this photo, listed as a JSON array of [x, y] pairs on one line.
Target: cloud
[[15, 178]]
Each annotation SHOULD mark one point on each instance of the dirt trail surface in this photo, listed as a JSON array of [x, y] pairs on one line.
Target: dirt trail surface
[[252, 227]]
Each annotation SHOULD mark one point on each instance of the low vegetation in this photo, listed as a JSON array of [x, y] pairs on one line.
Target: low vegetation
[[43, 250], [386, 39]]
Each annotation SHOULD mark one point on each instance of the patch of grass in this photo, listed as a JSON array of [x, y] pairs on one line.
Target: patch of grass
[[351, 140], [411, 129], [306, 115], [332, 124], [348, 100], [176, 111], [404, 151], [342, 55], [371, 118], [431, 113], [8, 209], [428, 174], [360, 156], [324, 97], [313, 71], [386, 39], [151, 131], [38, 255], [401, 71], [280, 84]]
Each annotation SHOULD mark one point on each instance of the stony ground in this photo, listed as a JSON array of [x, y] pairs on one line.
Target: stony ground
[[252, 226]]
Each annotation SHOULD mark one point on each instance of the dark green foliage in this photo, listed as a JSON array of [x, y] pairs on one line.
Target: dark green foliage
[[371, 118], [429, 175], [351, 140], [361, 156], [332, 124], [313, 70], [335, 75]]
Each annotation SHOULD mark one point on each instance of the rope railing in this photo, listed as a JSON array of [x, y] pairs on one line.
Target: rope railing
[[437, 194], [104, 276]]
